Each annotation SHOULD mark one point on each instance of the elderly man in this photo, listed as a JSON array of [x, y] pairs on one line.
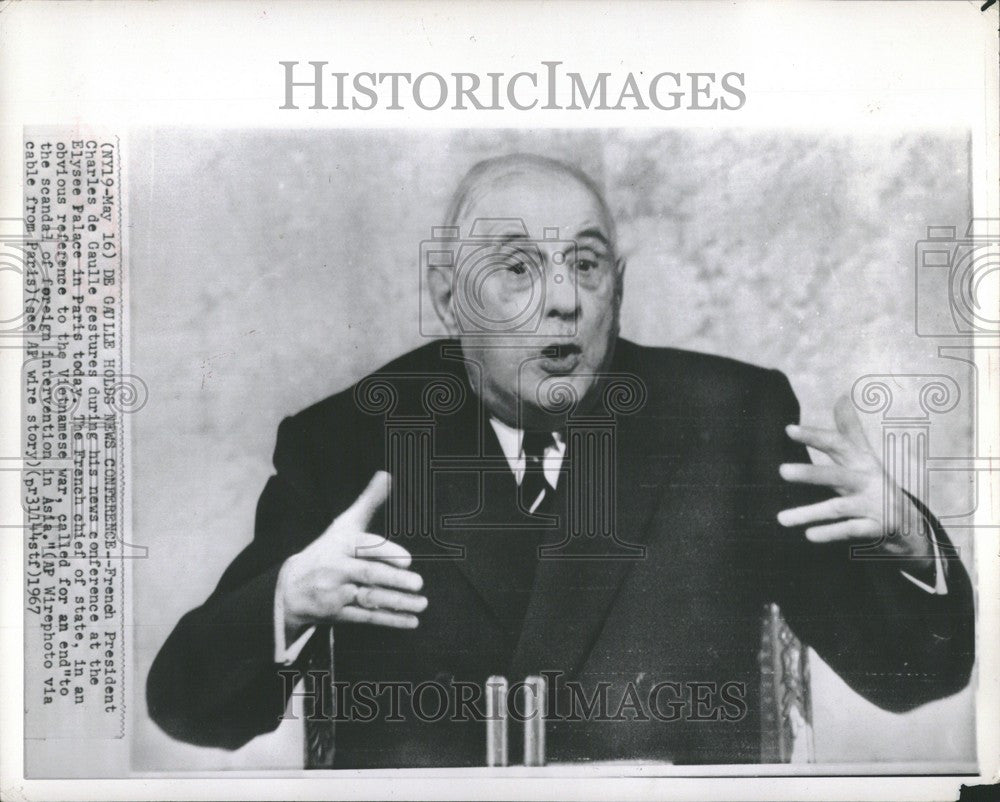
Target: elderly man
[[568, 503]]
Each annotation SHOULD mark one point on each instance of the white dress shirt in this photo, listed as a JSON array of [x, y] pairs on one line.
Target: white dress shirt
[[511, 441]]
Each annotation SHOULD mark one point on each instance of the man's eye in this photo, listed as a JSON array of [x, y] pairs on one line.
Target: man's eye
[[586, 265]]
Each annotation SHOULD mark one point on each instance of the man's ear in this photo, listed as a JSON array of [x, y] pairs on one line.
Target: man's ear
[[440, 286], [620, 265]]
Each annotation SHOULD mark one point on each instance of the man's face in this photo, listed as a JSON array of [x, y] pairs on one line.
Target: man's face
[[550, 303]]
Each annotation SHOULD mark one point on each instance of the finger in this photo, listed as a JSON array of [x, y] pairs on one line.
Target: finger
[[826, 440], [372, 572], [377, 547], [809, 474], [372, 598], [843, 530], [381, 618], [848, 422], [372, 497], [324, 601], [831, 509]]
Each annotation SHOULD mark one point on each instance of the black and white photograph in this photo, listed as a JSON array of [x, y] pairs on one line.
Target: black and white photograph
[[407, 423], [519, 407]]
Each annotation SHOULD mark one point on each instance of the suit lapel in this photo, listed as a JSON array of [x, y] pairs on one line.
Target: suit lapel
[[475, 507], [576, 584]]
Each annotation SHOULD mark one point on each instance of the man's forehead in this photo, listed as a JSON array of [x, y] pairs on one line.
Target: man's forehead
[[515, 228], [540, 203]]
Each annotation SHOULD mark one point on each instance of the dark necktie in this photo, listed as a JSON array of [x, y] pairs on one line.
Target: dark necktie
[[534, 483], [520, 546]]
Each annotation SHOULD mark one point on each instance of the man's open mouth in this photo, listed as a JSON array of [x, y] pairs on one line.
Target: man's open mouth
[[560, 357]]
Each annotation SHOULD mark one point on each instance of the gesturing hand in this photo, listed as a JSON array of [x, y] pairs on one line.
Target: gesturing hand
[[349, 574], [868, 506]]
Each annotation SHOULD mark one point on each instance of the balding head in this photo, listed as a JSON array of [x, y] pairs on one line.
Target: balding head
[[534, 286], [501, 171]]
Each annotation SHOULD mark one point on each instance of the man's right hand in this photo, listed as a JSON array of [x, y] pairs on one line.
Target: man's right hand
[[349, 574]]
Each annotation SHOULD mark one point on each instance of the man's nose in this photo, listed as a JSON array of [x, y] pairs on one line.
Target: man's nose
[[561, 298]]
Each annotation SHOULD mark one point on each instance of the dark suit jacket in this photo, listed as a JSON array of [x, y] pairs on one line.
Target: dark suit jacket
[[694, 470]]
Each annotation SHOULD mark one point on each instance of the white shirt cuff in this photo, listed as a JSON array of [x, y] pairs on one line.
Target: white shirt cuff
[[940, 586], [283, 654]]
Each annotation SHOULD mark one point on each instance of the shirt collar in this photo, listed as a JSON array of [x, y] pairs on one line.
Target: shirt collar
[[510, 442]]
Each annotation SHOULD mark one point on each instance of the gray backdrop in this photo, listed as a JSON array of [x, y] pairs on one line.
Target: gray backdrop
[[270, 269]]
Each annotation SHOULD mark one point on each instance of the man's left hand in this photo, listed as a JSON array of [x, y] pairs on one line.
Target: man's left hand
[[869, 505]]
